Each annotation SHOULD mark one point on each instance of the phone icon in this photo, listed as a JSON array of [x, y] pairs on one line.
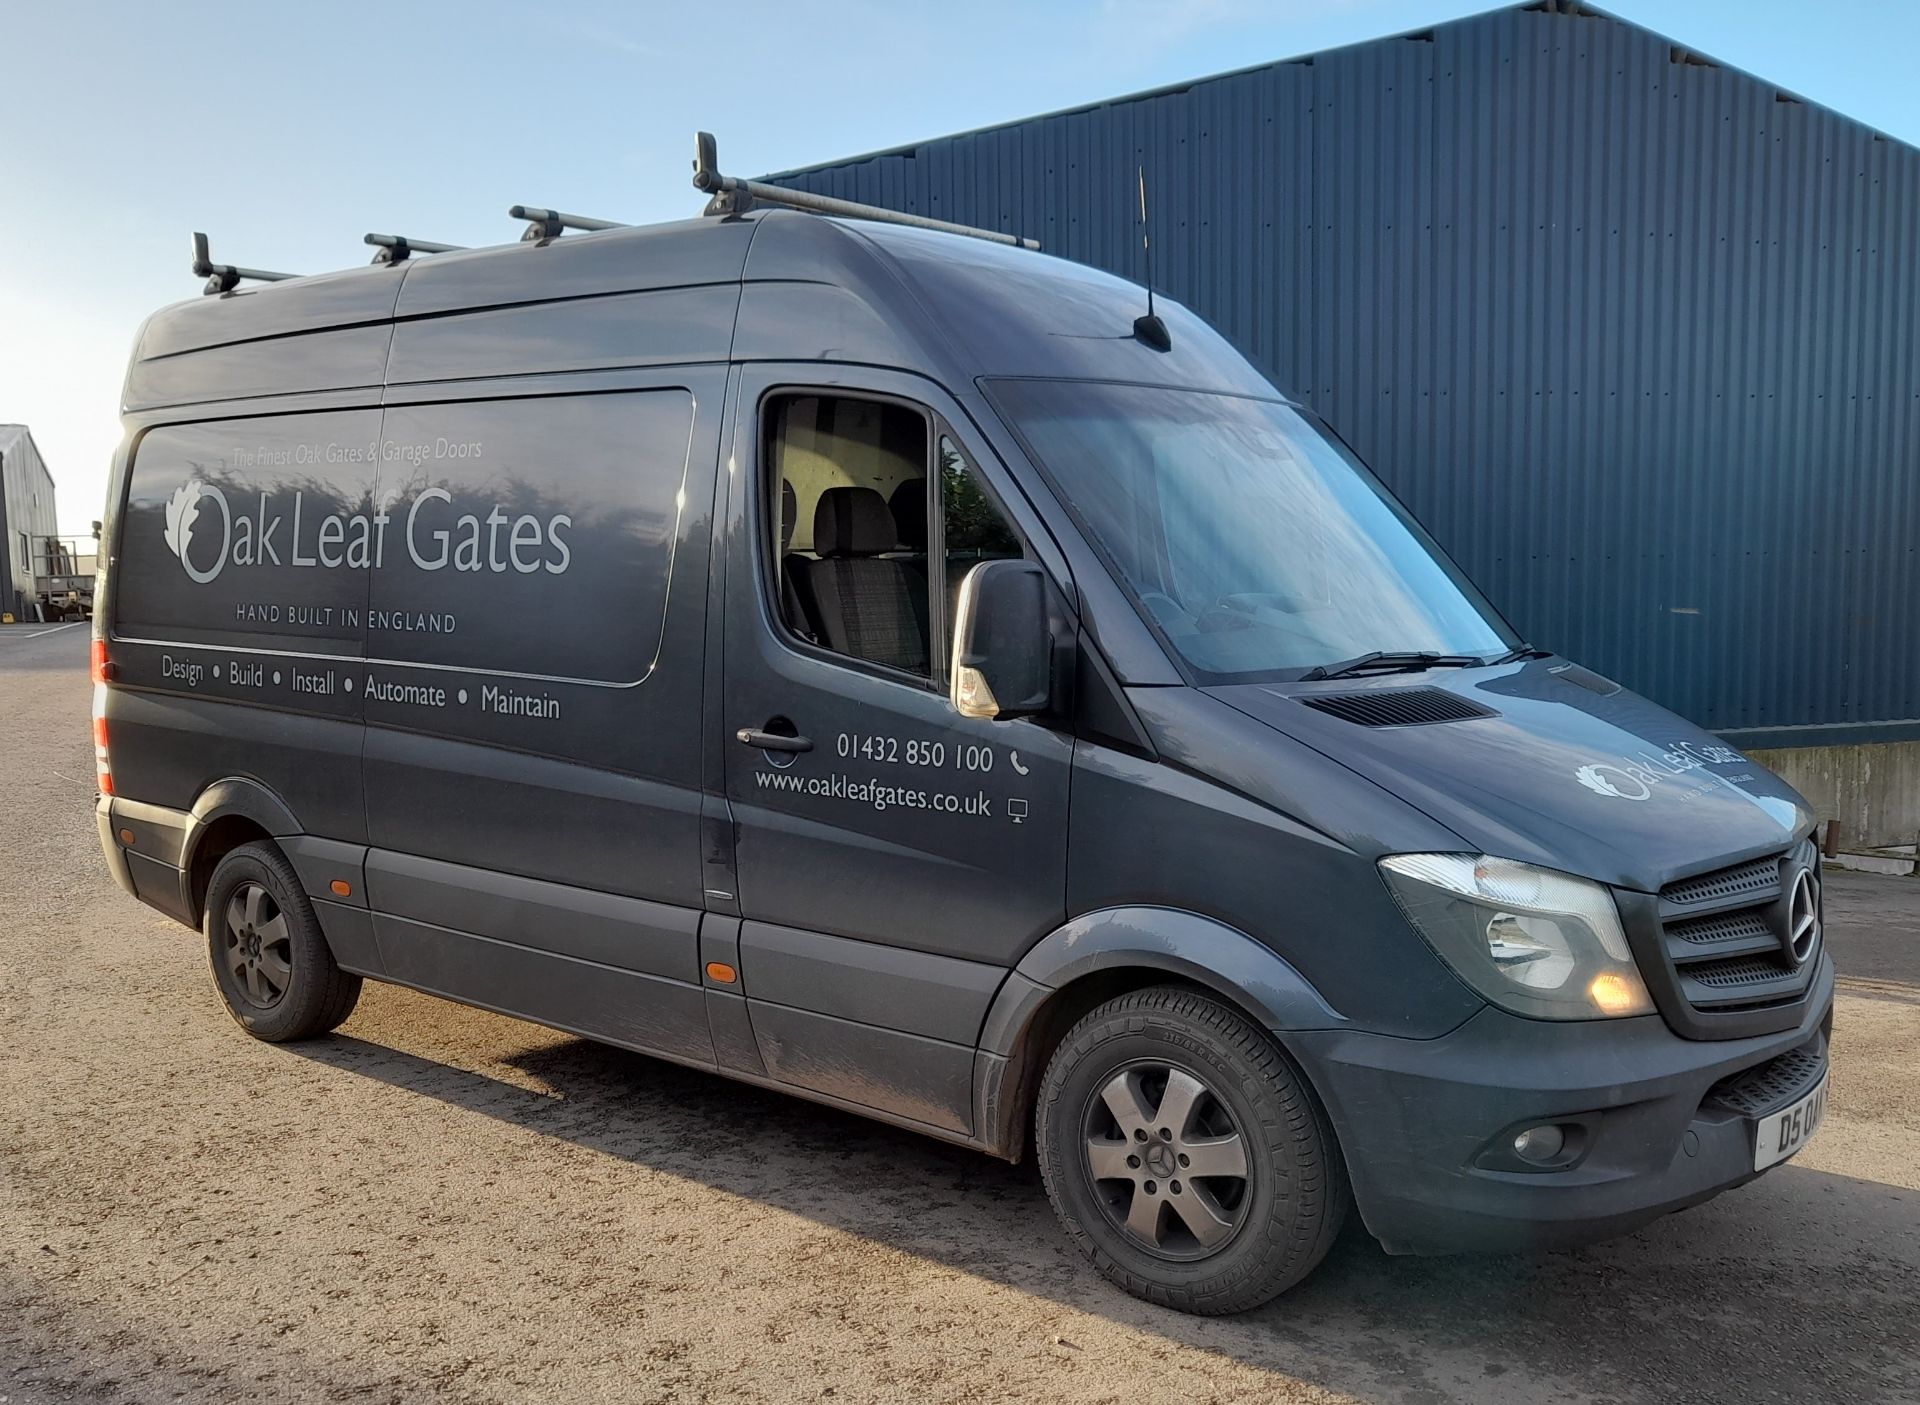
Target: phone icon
[[1016, 764]]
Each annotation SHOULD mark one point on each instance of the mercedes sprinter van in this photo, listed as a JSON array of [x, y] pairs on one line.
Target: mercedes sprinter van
[[880, 664]]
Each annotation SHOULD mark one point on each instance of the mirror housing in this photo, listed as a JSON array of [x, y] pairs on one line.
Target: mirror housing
[[1002, 663]]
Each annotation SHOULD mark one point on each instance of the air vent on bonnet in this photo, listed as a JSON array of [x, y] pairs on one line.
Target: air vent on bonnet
[[1396, 707], [1585, 678]]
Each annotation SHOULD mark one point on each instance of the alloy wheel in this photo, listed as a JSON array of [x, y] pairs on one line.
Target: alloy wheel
[[1167, 1159], [258, 946]]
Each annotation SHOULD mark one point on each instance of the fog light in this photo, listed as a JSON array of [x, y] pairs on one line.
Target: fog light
[[1540, 1144]]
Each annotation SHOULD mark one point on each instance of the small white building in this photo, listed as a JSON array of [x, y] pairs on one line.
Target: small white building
[[28, 521]]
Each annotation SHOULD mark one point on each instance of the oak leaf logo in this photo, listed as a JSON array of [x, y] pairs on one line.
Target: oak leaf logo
[[183, 514], [183, 509], [1612, 781]]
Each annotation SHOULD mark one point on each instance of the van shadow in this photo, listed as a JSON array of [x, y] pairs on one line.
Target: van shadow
[[1804, 1283]]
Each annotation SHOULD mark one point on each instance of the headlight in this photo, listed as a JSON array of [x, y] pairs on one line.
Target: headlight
[[1532, 941]]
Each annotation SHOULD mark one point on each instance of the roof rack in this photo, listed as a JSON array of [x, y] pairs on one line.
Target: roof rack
[[221, 277], [397, 248], [734, 196], [549, 224]]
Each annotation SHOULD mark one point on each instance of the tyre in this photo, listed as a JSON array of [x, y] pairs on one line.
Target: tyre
[[1186, 1155], [270, 961]]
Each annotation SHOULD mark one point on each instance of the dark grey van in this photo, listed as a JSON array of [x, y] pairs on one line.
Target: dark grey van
[[882, 665]]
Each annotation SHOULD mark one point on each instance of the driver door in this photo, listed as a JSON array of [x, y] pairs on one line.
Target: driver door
[[893, 859]]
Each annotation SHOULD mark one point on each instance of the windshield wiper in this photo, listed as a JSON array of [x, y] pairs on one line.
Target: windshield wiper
[[1388, 661], [1525, 651]]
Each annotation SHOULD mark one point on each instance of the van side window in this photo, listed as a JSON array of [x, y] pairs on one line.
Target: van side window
[[862, 552], [847, 489], [974, 528]]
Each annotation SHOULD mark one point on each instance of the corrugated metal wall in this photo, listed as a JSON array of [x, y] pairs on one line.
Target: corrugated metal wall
[[1633, 334], [26, 509]]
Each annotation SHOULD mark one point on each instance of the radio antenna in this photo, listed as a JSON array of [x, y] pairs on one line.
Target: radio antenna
[[1149, 330], [1146, 235]]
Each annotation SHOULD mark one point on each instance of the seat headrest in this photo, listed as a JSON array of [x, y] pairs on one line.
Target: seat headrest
[[852, 522], [909, 507]]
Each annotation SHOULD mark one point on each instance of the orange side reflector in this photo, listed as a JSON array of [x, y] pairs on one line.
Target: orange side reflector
[[126, 837], [721, 973], [341, 888]]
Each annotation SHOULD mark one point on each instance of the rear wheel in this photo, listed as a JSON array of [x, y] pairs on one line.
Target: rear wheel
[[270, 960], [1186, 1155]]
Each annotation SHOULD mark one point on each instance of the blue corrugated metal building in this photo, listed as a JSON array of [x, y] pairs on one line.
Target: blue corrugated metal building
[[1633, 333]]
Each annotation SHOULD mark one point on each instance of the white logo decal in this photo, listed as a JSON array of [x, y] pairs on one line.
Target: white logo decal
[[1611, 780], [438, 536], [1636, 776], [183, 511]]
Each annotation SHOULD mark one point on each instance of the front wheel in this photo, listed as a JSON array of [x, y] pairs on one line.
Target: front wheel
[[1186, 1155], [270, 960]]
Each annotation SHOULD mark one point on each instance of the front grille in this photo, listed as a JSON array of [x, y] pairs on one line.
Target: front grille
[[1770, 1086], [1726, 935], [1723, 929], [1760, 876], [1742, 970]]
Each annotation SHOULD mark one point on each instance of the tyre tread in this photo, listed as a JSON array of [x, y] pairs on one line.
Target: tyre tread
[[323, 995], [1322, 1194]]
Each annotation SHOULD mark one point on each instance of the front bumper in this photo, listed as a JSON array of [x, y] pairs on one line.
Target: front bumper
[[1415, 1117]]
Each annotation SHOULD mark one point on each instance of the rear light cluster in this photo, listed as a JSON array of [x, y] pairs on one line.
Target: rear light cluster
[[102, 671]]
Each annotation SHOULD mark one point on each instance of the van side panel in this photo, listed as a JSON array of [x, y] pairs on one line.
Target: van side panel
[[335, 360], [323, 333], [669, 327], [168, 747], [240, 581], [906, 1075], [1246, 858], [655, 939], [354, 296], [533, 703], [585, 997], [898, 989]]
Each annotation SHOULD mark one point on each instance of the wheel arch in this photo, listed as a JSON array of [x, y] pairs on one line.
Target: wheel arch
[[227, 814], [1100, 955]]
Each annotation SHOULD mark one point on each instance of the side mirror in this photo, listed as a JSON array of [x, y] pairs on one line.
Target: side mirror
[[1002, 648]]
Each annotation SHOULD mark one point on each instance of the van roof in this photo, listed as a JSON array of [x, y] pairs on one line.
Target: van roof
[[810, 287]]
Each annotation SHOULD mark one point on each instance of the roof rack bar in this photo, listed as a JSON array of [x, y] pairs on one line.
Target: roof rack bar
[[221, 277], [548, 224], [733, 196], [397, 248]]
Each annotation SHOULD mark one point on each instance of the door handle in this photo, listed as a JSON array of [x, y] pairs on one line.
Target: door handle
[[772, 741]]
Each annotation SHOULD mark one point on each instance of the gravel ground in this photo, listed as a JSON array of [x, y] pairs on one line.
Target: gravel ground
[[441, 1204]]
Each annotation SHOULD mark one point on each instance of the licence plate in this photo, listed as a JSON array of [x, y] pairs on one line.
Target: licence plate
[[1778, 1135]]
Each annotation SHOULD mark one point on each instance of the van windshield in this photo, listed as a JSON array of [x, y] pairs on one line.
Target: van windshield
[[1259, 546]]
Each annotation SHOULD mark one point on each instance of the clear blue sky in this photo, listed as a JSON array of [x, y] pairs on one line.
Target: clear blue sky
[[288, 130]]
